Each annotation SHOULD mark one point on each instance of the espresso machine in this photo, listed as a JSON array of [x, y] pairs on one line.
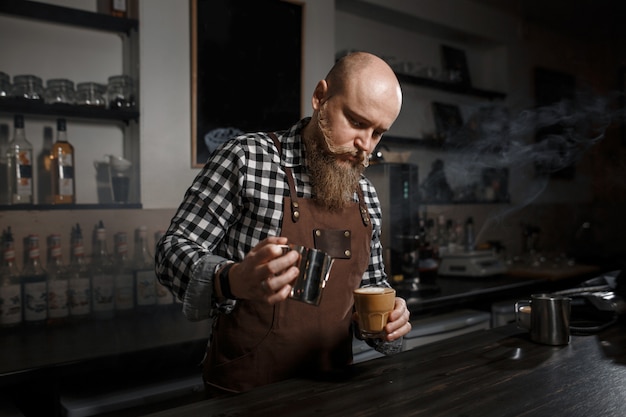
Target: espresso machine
[[397, 187]]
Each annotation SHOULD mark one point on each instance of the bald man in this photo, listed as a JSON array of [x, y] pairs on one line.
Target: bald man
[[222, 254]]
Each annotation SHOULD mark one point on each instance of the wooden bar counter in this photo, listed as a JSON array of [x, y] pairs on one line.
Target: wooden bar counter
[[498, 372]]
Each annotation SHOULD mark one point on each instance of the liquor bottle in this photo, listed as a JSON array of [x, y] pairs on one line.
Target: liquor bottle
[[4, 179], [119, 8], [44, 179], [145, 277], [124, 282], [58, 282], [102, 277], [428, 264], [10, 286], [469, 236], [79, 277], [20, 165], [452, 236], [442, 235], [458, 231], [34, 284], [164, 296], [62, 168]]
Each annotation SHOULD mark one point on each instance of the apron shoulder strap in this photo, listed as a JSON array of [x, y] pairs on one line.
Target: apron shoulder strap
[[295, 206], [362, 207]]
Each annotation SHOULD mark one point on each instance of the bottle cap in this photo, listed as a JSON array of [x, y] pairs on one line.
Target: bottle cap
[[18, 121]]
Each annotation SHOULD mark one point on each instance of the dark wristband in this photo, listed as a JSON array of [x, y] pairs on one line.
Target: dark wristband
[[225, 282]]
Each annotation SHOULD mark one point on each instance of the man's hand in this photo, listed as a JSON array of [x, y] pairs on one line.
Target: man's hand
[[398, 323], [265, 274]]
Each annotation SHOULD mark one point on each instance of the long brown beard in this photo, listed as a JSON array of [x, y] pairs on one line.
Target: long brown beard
[[333, 183]]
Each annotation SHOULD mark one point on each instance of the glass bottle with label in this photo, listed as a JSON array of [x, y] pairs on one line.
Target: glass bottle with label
[[62, 167], [58, 282], [4, 169], [145, 277], [124, 283], [442, 235], [102, 277], [20, 165], [164, 296], [10, 286], [34, 284], [451, 231], [79, 277], [118, 8], [43, 174], [469, 236]]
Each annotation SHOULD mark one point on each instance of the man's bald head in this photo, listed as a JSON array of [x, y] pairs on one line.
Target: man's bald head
[[363, 70]]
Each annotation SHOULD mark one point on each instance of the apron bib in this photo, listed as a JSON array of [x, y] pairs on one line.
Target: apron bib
[[258, 344]]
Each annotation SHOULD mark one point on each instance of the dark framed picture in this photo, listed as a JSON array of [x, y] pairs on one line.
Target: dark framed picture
[[246, 69], [448, 120], [454, 63]]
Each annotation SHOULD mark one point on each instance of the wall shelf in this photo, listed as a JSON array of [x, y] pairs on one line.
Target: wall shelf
[[391, 16], [437, 144], [464, 202], [128, 32], [450, 87], [67, 16], [36, 107], [414, 141], [46, 207]]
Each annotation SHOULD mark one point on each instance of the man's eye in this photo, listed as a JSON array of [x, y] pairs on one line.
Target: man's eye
[[355, 123]]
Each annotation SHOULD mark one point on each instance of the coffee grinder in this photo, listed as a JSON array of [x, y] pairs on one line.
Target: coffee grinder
[[397, 187]]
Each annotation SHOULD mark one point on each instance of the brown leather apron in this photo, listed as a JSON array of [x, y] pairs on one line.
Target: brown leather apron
[[258, 343]]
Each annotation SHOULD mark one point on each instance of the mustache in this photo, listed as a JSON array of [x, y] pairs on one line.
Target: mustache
[[361, 156]]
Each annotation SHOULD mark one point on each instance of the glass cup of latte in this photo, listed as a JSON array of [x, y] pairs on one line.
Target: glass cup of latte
[[373, 304]]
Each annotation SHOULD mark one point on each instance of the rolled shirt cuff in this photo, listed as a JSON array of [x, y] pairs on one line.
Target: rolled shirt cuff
[[200, 302]]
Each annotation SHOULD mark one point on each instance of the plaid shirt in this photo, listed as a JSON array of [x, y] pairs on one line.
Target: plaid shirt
[[234, 202]]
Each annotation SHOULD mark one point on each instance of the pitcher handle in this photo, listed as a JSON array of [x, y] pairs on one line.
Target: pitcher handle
[[518, 317]]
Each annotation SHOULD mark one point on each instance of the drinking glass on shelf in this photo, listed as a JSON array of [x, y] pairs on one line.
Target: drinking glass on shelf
[[5, 84], [27, 87], [120, 92], [60, 90], [90, 94], [120, 178]]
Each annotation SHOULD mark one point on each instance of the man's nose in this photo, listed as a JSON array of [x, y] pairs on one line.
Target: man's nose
[[365, 142]]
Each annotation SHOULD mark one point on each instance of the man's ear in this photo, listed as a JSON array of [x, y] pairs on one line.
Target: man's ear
[[319, 94]]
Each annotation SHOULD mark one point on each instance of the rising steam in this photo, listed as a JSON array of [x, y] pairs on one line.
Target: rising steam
[[535, 143], [553, 137]]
